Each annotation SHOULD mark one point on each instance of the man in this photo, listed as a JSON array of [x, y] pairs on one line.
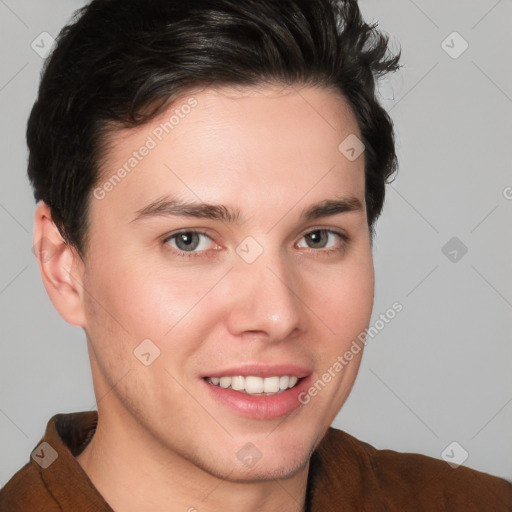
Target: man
[[208, 176]]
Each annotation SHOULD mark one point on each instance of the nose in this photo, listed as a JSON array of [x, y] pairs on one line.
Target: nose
[[265, 299]]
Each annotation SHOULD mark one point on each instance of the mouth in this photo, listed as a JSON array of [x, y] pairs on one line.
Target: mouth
[[254, 385], [261, 393]]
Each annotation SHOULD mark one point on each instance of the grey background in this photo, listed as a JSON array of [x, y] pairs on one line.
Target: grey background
[[440, 371]]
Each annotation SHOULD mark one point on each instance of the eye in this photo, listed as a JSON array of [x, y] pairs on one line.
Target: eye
[[193, 243], [320, 237], [186, 243]]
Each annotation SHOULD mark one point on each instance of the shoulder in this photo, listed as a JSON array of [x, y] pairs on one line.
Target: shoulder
[[402, 477], [52, 480], [26, 490]]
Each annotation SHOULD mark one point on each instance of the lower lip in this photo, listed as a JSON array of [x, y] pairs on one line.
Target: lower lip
[[262, 407]]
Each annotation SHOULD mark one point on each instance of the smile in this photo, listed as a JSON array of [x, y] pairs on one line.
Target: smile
[[253, 385]]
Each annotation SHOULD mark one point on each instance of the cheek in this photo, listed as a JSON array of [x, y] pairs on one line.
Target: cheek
[[347, 302], [138, 300], [144, 301]]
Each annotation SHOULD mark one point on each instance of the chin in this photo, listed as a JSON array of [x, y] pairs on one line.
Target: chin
[[267, 471], [281, 459], [280, 463]]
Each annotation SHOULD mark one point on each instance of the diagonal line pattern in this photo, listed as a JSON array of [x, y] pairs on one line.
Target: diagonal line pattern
[[111, 389], [403, 402], [424, 13], [431, 272], [413, 87], [299, 502], [492, 211], [13, 13], [501, 409], [14, 76], [415, 209], [194, 305], [486, 14], [493, 287], [200, 404], [309, 103], [300, 199], [97, 301], [332, 332], [14, 423], [217, 486], [226, 225], [14, 218], [279, 424], [13, 279], [492, 81]]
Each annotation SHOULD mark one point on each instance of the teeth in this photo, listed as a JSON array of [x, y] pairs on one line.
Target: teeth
[[225, 382], [284, 381], [237, 383], [271, 385], [255, 385]]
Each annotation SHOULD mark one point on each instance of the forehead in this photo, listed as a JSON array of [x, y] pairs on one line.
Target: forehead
[[248, 144]]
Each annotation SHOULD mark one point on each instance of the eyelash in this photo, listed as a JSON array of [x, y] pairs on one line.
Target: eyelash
[[345, 240]]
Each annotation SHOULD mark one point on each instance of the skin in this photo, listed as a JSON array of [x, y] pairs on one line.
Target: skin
[[162, 443]]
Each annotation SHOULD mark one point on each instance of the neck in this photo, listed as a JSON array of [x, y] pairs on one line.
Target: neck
[[133, 472]]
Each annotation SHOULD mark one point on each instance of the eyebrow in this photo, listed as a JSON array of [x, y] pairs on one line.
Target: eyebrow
[[170, 207]]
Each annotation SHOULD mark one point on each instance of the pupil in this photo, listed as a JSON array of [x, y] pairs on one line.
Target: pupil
[[187, 238], [317, 236]]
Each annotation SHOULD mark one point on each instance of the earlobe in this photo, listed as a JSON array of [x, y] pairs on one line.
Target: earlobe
[[60, 266]]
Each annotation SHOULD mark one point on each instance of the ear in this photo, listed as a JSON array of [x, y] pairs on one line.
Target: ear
[[61, 267]]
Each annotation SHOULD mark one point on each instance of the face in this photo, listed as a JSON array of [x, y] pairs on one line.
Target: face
[[199, 319]]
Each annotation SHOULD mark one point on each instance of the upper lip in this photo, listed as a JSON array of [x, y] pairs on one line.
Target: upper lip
[[260, 370]]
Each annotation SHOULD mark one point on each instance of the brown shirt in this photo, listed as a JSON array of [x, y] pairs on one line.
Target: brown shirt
[[345, 475]]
